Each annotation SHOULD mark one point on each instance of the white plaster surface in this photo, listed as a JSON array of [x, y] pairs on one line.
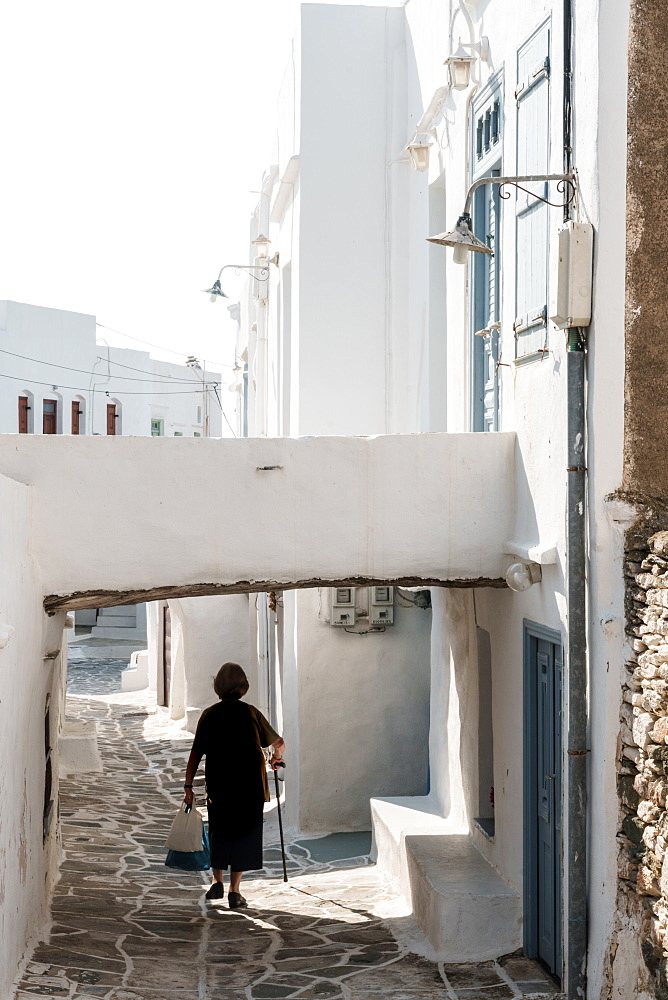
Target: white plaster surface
[[363, 713], [461, 903], [77, 748], [215, 631], [135, 675], [149, 531], [26, 680], [393, 820]]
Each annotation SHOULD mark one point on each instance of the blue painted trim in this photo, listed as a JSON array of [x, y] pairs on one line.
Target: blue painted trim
[[533, 630]]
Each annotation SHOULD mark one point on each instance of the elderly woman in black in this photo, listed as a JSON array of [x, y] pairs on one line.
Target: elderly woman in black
[[231, 736]]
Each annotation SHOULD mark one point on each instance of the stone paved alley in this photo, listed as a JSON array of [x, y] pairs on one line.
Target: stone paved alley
[[126, 928]]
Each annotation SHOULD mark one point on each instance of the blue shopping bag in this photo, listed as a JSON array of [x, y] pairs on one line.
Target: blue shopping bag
[[191, 861]]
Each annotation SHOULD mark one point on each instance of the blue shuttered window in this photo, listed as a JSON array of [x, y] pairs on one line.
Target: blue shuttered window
[[533, 153], [486, 159]]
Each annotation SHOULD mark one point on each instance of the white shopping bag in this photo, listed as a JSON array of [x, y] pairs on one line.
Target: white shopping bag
[[186, 832]]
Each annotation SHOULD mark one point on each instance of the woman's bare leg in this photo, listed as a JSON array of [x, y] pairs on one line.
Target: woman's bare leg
[[235, 881], [218, 874]]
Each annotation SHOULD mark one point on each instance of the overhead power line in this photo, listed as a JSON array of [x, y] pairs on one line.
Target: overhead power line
[[84, 371], [223, 411], [168, 350], [133, 369], [122, 392]]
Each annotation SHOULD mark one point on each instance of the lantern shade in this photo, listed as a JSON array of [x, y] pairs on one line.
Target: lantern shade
[[462, 238], [215, 291], [459, 68]]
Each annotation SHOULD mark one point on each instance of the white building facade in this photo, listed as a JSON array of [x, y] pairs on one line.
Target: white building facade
[[366, 328], [59, 376]]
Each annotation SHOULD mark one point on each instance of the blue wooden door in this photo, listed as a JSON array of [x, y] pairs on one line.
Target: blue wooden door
[[543, 797]]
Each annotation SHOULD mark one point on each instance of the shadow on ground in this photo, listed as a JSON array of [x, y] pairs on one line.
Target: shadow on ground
[[127, 928]]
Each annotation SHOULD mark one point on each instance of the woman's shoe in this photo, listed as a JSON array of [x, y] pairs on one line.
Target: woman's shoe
[[236, 900], [217, 891]]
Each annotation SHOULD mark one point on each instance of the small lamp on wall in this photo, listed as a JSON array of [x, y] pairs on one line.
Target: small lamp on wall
[[261, 244], [462, 238], [522, 576], [459, 68], [418, 148], [215, 291]]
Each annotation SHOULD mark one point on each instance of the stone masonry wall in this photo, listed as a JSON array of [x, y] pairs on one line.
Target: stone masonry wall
[[643, 764]]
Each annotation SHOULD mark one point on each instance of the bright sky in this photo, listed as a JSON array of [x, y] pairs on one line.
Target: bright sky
[[132, 133]]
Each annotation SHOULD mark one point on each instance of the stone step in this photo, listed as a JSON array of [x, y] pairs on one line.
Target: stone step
[[468, 912], [112, 632], [116, 621], [118, 611], [77, 748]]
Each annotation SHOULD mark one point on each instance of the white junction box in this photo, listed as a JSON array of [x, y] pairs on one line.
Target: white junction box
[[343, 606], [570, 299], [381, 605]]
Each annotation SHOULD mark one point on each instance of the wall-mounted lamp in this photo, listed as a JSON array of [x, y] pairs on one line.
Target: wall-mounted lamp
[[418, 148], [459, 68], [522, 576], [262, 243], [461, 61], [216, 292], [464, 240]]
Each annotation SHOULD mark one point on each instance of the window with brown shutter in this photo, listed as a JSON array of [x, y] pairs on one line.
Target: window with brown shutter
[[76, 417], [23, 414], [112, 417], [50, 416]]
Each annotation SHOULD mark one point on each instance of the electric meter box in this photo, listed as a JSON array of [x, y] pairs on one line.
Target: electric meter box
[[570, 299], [381, 605], [343, 606]]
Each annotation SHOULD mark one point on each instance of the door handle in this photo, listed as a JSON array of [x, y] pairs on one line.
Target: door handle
[[550, 777]]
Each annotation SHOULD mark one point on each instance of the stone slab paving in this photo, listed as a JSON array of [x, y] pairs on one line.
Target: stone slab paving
[[124, 927]]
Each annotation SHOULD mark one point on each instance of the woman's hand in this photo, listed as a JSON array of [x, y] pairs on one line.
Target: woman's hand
[[188, 796], [277, 748]]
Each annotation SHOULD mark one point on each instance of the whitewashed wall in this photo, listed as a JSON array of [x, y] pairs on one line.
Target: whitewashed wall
[[27, 864], [533, 398], [380, 336], [173, 513], [209, 631], [363, 712]]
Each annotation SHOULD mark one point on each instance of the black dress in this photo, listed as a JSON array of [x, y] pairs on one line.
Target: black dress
[[231, 735]]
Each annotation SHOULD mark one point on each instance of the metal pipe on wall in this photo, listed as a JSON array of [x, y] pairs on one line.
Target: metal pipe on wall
[[575, 858], [576, 678]]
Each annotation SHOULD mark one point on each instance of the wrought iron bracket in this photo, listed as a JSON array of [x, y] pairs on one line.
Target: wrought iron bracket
[[248, 268], [566, 185]]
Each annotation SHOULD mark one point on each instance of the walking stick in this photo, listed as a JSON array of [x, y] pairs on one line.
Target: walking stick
[[280, 820]]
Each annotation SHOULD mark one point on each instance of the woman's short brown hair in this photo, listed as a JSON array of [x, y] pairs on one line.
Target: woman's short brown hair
[[231, 681]]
